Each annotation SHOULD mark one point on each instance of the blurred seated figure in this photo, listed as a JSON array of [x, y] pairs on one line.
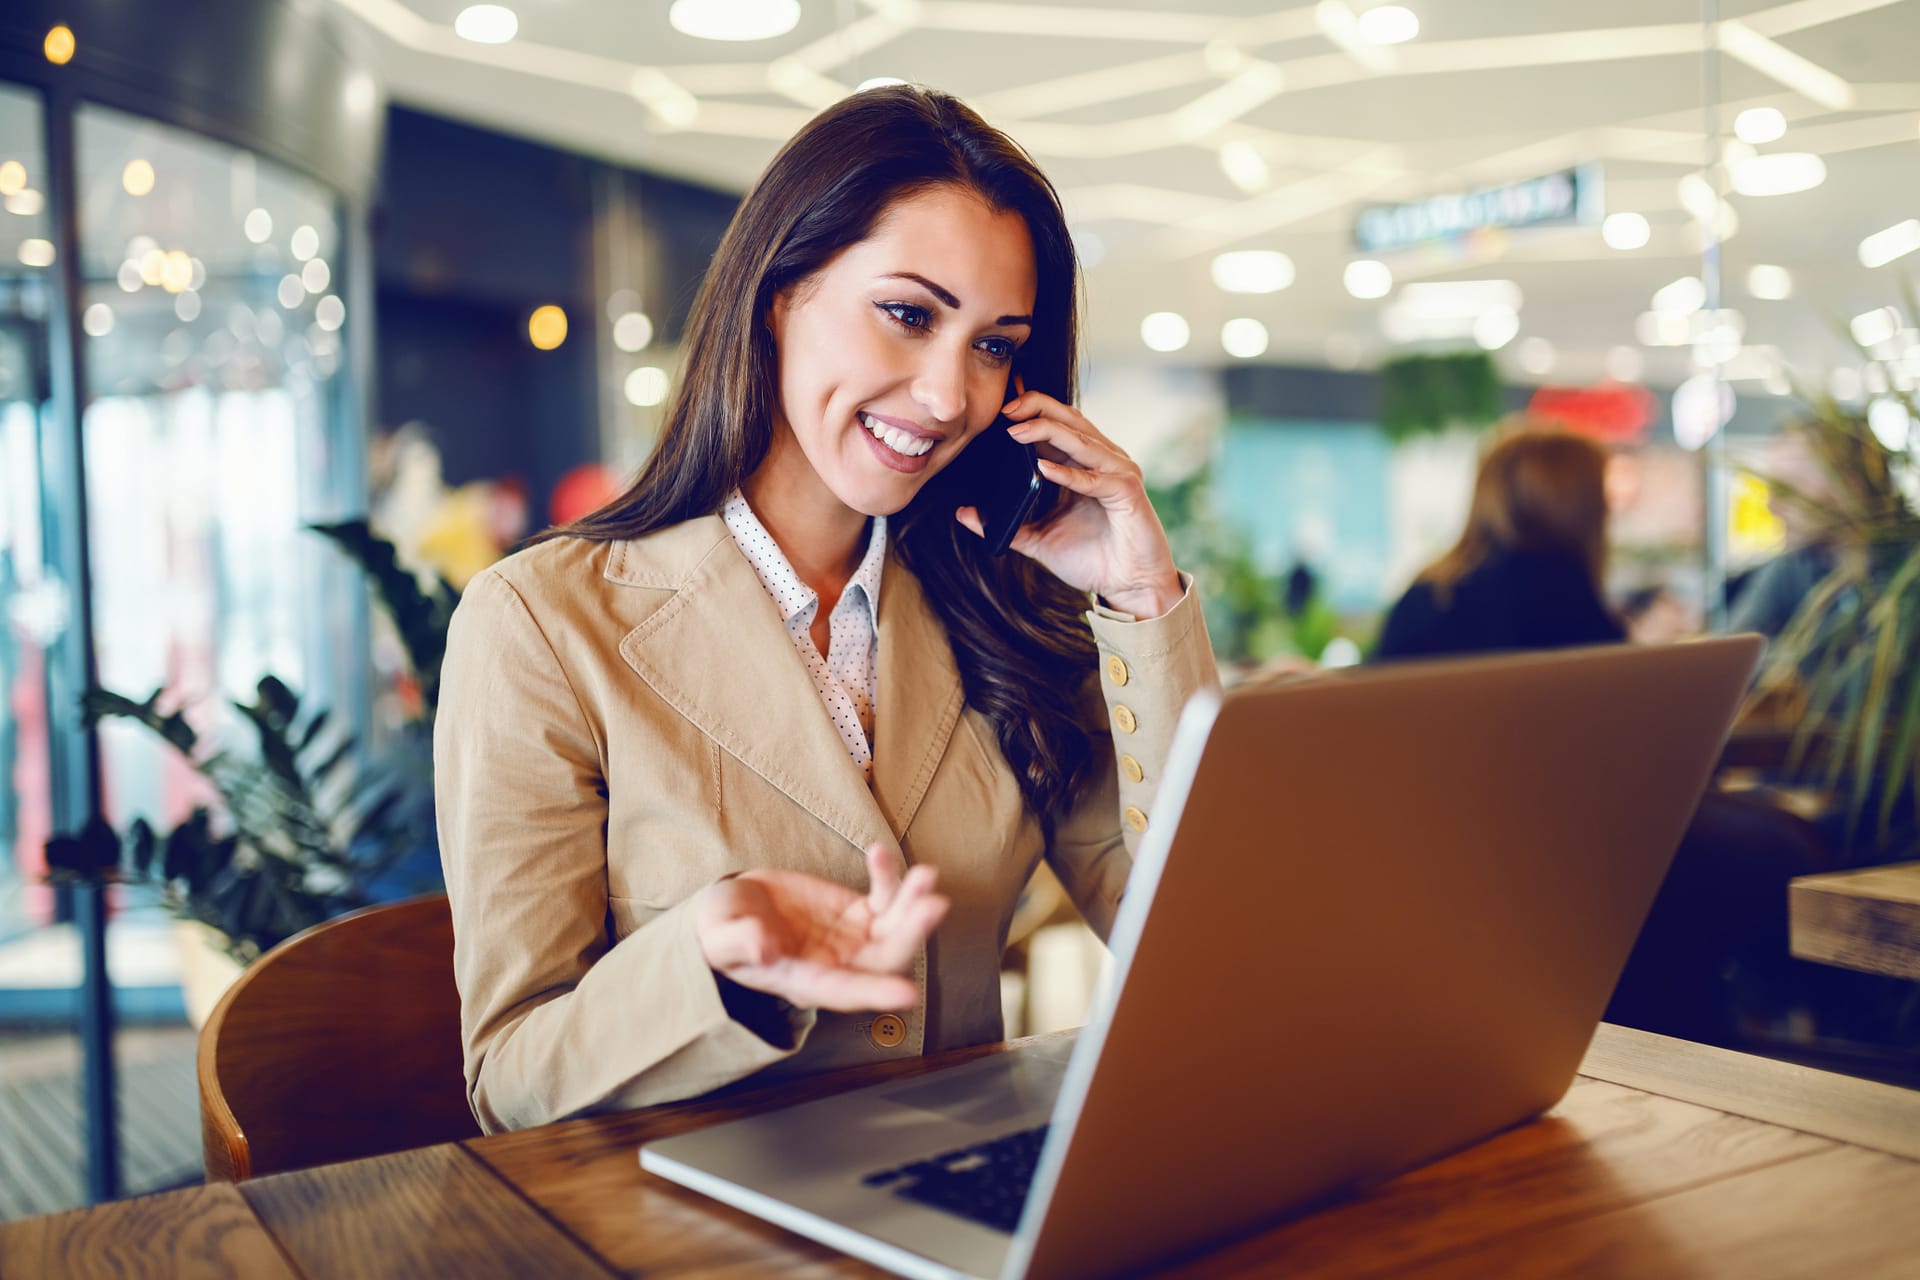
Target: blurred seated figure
[[1655, 615], [1528, 569]]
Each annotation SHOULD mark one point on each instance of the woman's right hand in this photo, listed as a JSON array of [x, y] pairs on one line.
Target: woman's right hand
[[817, 944]]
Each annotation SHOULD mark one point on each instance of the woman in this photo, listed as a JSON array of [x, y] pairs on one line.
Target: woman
[[668, 732], [1530, 567]]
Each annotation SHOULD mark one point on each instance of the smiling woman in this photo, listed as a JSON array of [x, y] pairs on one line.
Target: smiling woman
[[668, 730]]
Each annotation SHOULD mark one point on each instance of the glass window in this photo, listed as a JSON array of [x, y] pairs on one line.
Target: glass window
[[214, 330]]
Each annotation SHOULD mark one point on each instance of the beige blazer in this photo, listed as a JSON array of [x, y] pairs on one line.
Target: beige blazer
[[621, 724]]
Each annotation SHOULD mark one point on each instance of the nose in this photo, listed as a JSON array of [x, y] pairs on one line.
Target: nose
[[940, 384]]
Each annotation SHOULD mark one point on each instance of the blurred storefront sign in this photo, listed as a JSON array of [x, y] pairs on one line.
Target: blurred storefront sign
[[1615, 413], [1569, 197]]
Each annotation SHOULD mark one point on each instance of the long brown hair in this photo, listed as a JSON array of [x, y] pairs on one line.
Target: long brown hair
[[1538, 490], [1022, 647]]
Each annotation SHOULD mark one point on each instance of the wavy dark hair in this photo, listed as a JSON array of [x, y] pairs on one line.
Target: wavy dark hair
[[1020, 641]]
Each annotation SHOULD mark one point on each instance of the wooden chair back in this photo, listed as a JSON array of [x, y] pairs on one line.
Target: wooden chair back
[[341, 1042]]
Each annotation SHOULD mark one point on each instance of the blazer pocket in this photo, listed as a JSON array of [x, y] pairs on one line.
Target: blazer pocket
[[624, 915]]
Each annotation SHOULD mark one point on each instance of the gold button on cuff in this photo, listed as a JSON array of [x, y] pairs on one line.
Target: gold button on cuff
[[888, 1031], [1123, 717], [1116, 668], [1135, 819], [1131, 768]]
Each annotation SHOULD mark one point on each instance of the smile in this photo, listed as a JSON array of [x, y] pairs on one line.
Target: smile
[[904, 443]]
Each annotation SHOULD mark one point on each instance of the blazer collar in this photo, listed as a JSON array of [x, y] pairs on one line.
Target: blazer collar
[[719, 654]]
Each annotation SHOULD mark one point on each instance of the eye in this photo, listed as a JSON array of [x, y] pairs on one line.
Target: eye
[[906, 314], [1000, 350]]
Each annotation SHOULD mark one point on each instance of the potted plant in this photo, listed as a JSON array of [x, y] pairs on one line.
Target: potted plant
[[1848, 659], [300, 830]]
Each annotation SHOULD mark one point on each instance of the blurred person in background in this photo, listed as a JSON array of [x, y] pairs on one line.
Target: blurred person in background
[[1529, 569]]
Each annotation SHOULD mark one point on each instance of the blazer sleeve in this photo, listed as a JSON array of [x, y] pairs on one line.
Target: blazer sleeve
[[556, 1017], [1148, 670]]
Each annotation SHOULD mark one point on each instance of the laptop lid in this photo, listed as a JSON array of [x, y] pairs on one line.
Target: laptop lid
[[1377, 917]]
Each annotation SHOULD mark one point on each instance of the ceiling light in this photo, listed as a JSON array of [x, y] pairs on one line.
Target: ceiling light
[[1626, 231], [1457, 299], [1496, 327], [36, 253], [1701, 406], [176, 272], [315, 276], [1698, 198], [1625, 364], [97, 320], [129, 277], [13, 177], [647, 386], [1368, 279], [26, 202], [1662, 329], [330, 313], [58, 46], [1536, 356], [305, 242], [1872, 328], [876, 82], [1891, 423], [486, 24], [1774, 284], [1779, 174], [187, 306], [258, 226], [1682, 296], [137, 178], [1253, 271], [632, 331], [1759, 124], [734, 19], [1388, 24], [1244, 166], [1244, 338], [290, 292], [1165, 331], [1733, 152], [547, 327], [1898, 240]]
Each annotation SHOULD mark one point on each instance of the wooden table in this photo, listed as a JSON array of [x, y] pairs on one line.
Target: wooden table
[[1664, 1159], [1867, 919]]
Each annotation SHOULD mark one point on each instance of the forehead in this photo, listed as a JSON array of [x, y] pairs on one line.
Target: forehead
[[953, 237]]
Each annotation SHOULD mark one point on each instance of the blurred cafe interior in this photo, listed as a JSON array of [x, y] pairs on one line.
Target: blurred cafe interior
[[310, 310]]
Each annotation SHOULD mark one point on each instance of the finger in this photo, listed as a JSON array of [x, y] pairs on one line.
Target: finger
[[893, 951], [883, 877], [919, 882], [969, 518], [1096, 485], [1073, 444], [818, 986], [742, 942]]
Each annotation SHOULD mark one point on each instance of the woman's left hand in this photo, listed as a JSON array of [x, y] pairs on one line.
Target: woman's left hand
[[1105, 536]]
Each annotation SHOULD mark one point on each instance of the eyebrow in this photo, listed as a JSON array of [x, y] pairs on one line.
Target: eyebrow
[[948, 298]]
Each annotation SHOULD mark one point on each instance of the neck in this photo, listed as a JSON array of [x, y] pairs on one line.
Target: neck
[[821, 537]]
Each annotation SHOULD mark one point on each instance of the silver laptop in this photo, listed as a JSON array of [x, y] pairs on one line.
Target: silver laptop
[[1376, 919]]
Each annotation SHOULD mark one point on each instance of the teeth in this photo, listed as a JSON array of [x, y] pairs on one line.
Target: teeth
[[901, 442]]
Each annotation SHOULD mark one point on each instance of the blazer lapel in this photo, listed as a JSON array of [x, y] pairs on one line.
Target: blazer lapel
[[719, 654], [918, 698]]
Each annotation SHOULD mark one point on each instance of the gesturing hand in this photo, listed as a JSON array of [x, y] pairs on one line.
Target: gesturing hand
[[817, 944]]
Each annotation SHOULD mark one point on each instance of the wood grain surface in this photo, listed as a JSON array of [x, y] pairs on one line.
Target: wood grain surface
[[586, 1175], [202, 1233], [1863, 1112], [1603, 1148], [1867, 920], [433, 1212]]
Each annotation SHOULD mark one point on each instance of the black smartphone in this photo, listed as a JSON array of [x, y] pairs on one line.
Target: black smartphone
[[1004, 485]]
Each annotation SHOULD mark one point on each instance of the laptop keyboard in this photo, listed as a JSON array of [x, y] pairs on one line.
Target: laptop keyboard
[[985, 1183]]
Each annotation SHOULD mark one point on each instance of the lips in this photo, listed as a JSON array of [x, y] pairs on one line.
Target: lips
[[898, 438]]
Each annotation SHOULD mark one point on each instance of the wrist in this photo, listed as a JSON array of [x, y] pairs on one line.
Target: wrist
[[1147, 600]]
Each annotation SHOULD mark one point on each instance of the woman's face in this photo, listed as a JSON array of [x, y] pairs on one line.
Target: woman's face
[[896, 354]]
